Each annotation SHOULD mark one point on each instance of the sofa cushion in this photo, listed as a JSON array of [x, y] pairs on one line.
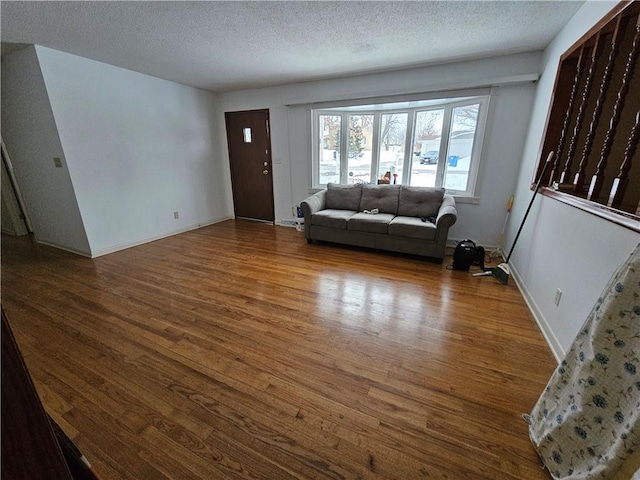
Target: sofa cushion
[[412, 227], [382, 197], [344, 197], [332, 218], [365, 222], [420, 201]]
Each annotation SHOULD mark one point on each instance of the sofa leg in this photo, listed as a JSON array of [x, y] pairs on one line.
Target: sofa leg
[[309, 241]]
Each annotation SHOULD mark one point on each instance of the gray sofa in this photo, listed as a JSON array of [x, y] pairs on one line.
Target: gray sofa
[[413, 220]]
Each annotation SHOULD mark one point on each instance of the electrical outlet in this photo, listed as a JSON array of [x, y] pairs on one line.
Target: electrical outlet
[[558, 296], [57, 162], [176, 215]]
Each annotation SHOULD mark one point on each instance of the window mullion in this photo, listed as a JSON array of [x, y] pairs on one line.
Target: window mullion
[[408, 148], [344, 146], [444, 145], [315, 145], [375, 157]]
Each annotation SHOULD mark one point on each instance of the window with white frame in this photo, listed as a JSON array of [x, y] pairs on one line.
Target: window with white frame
[[435, 143]]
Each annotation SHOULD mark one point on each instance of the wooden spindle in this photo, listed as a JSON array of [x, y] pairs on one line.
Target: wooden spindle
[[598, 178], [566, 171], [621, 182], [580, 176], [567, 120]]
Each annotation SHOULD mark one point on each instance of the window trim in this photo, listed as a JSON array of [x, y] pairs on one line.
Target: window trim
[[478, 141], [449, 102]]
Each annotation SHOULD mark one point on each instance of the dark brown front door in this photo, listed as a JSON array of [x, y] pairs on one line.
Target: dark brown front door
[[250, 159]]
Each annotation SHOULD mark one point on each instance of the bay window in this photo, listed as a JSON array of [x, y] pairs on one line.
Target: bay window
[[435, 143]]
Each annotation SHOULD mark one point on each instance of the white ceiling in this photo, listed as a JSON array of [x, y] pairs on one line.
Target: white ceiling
[[224, 46]]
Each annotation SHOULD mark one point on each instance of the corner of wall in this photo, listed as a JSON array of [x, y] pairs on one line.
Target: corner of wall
[[32, 140], [543, 325]]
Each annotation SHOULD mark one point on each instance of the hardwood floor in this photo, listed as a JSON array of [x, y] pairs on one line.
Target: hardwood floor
[[239, 351]]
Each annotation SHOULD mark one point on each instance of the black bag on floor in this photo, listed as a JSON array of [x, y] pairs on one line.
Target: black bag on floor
[[467, 254]]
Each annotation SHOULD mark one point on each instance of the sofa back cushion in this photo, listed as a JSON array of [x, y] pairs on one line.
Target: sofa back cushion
[[382, 197], [420, 201], [344, 197]]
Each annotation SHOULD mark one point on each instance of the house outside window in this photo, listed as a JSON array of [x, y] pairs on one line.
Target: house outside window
[[434, 143]]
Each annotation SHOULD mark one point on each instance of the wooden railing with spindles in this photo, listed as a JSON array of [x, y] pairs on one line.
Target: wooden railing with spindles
[[567, 118], [579, 179], [597, 181], [621, 182], [566, 172], [593, 121]]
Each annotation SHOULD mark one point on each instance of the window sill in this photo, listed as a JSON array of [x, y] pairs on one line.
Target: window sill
[[463, 199], [618, 217]]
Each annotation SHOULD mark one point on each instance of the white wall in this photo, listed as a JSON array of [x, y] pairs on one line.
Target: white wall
[[290, 128], [561, 246], [137, 149], [30, 134], [134, 150]]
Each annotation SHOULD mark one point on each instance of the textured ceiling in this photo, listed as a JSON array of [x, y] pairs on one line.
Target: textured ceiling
[[223, 46]]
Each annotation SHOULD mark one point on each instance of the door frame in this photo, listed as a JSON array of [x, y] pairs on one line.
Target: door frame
[[268, 157], [22, 206]]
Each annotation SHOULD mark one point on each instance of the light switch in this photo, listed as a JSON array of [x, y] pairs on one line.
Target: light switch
[[57, 162]]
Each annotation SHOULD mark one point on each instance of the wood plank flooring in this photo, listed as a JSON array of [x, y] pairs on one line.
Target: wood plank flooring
[[239, 351]]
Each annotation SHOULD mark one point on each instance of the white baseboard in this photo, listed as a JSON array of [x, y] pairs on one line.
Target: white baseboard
[[61, 247], [543, 325], [123, 246], [287, 222], [298, 224]]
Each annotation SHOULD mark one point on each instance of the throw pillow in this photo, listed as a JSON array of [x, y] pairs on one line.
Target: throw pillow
[[344, 197], [381, 197], [420, 201]]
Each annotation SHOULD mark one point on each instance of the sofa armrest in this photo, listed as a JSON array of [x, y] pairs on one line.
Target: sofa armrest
[[448, 214], [311, 205]]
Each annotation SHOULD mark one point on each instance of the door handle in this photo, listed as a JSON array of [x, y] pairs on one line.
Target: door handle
[[265, 172]]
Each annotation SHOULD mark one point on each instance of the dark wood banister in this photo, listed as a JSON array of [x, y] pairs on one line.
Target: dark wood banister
[[580, 176], [566, 172], [567, 120], [607, 53], [597, 180], [621, 182]]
